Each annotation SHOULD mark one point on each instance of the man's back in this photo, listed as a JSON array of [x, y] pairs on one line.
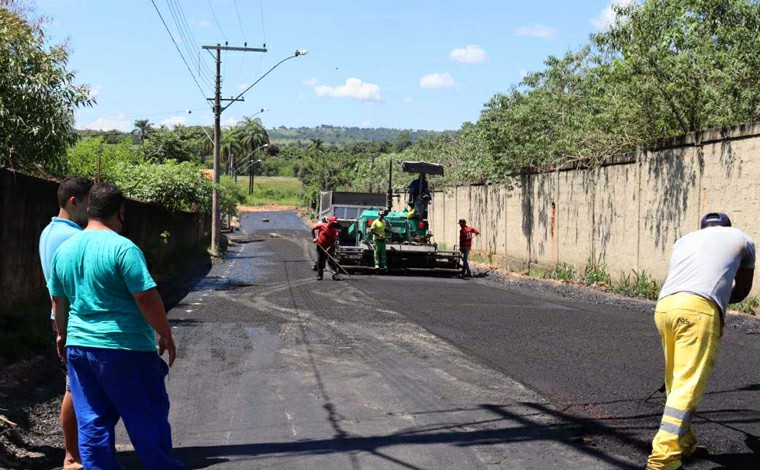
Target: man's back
[[58, 231], [99, 271], [705, 262]]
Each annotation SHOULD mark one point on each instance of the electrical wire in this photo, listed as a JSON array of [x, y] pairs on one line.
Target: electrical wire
[[213, 13], [240, 22], [200, 88], [188, 31], [188, 41], [261, 10]]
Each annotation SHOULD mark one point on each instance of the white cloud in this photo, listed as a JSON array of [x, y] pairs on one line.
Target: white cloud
[[366, 123], [117, 121], [204, 24], [472, 54], [354, 88], [230, 121], [536, 31], [437, 80], [243, 86], [95, 91], [408, 99], [174, 120], [606, 17], [311, 82]]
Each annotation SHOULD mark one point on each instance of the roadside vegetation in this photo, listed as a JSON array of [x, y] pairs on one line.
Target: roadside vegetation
[[274, 190], [635, 284]]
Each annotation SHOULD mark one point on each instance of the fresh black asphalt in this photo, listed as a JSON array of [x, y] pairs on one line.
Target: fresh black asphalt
[[278, 370]]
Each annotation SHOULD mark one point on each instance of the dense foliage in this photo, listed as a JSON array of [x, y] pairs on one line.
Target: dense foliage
[[663, 68], [345, 136], [38, 94], [174, 185]]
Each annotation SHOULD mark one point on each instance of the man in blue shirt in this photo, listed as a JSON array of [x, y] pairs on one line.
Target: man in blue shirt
[[72, 216], [107, 309]]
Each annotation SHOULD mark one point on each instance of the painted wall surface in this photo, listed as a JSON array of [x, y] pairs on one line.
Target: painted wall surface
[[26, 205], [626, 213]]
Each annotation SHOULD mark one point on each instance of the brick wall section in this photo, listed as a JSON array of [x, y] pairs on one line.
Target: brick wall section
[[26, 205], [627, 213]]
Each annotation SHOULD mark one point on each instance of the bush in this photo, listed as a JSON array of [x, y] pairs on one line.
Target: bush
[[641, 285], [175, 186], [595, 273]]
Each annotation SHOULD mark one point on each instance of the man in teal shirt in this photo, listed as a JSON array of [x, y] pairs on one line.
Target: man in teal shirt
[[72, 216], [106, 310]]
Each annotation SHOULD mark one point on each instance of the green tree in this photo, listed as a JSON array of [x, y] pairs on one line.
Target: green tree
[[143, 127], [38, 94], [687, 64]]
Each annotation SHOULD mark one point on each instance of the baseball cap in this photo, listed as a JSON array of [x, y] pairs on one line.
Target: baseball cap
[[717, 218], [332, 218]]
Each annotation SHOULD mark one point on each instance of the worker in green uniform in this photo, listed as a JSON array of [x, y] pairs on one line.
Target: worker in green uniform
[[378, 230]]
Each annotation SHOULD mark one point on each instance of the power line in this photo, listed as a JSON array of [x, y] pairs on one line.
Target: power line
[[188, 42], [188, 31], [203, 94], [263, 31], [240, 23], [213, 13]]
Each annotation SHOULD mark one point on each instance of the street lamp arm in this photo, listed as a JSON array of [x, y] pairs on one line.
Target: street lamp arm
[[297, 53]]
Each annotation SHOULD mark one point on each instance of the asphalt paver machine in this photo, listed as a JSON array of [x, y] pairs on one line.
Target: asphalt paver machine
[[409, 241]]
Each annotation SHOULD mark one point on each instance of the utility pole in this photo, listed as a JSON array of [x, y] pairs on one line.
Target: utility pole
[[216, 219]]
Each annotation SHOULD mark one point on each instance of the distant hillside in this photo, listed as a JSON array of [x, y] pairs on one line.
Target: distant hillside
[[339, 135]]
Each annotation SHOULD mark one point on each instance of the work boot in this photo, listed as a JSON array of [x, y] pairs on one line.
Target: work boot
[[335, 277], [319, 277]]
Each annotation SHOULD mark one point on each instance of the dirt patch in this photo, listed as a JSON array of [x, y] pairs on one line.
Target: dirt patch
[[30, 401], [267, 208]]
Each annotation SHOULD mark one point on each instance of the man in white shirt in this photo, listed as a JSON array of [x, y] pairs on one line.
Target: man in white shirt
[[709, 269]]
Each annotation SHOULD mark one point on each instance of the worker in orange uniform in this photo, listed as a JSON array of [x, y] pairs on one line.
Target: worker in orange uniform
[[325, 234], [466, 234], [709, 269]]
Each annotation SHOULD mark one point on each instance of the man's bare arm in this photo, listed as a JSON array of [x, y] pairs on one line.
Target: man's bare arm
[[152, 308], [61, 312], [742, 284]]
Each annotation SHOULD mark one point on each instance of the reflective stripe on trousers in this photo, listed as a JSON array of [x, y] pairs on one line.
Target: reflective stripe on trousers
[[690, 329]]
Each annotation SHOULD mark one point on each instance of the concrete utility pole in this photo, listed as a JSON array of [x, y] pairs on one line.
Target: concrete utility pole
[[216, 219]]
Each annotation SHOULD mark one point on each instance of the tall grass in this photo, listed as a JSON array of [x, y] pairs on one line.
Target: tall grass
[[279, 190]]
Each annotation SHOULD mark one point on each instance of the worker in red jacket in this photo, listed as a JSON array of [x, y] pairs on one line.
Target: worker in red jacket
[[325, 234], [466, 234]]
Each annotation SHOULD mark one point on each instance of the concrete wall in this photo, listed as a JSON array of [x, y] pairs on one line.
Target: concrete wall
[[627, 213], [26, 205]]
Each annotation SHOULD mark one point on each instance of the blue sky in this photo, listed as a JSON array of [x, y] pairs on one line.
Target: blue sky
[[420, 64]]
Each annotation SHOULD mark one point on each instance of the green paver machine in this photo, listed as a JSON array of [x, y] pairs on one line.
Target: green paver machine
[[409, 240]]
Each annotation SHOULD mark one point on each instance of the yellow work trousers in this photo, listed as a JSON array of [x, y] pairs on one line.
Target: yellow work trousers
[[690, 329]]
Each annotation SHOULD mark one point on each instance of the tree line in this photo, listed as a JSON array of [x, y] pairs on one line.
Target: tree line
[[663, 68]]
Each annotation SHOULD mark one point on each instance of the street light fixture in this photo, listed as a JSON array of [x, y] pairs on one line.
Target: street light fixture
[[218, 110]]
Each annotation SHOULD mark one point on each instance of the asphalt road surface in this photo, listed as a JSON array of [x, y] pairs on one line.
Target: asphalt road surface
[[278, 370]]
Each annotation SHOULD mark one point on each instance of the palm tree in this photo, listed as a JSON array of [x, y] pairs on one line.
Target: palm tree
[[252, 134], [231, 147], [143, 126]]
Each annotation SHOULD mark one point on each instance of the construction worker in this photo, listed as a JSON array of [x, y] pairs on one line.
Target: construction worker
[[709, 269], [315, 267], [379, 229], [325, 235], [466, 234]]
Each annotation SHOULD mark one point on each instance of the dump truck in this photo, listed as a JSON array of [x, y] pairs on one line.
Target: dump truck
[[347, 207], [410, 246]]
